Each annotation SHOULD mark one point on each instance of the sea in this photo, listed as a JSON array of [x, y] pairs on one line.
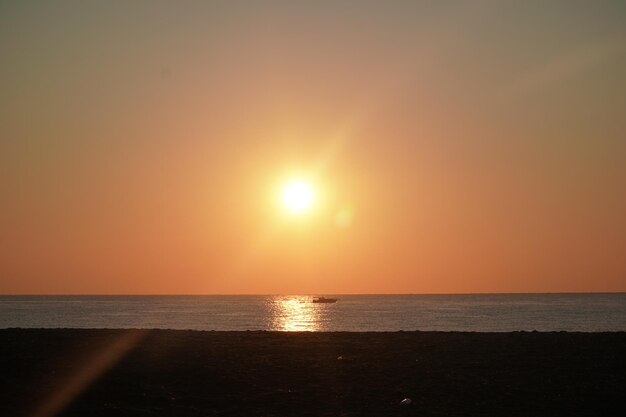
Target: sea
[[593, 312]]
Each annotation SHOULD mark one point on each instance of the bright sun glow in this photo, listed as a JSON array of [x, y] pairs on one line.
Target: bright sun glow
[[297, 196]]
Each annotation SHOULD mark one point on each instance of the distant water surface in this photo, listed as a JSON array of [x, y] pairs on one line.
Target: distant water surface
[[481, 312]]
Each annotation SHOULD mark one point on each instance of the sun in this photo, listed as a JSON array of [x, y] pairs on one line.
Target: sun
[[297, 196]]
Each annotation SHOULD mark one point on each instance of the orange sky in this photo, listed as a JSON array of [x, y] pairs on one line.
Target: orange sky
[[476, 147]]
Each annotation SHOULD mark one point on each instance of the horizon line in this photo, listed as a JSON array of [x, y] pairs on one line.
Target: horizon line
[[289, 294]]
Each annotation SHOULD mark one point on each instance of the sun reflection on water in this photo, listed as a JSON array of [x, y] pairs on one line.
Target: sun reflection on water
[[295, 314]]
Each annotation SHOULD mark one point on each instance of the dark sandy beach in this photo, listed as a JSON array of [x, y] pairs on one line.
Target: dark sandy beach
[[187, 373]]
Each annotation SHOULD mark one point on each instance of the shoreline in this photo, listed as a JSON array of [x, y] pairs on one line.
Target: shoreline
[[136, 372], [312, 332]]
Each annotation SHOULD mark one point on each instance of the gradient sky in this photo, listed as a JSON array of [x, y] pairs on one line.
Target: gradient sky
[[476, 146]]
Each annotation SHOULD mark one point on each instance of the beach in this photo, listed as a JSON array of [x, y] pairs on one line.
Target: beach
[[76, 372]]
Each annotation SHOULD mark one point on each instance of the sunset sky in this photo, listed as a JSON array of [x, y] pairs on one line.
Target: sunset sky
[[445, 147]]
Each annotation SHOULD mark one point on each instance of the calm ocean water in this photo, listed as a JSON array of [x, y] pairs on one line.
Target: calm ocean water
[[492, 313]]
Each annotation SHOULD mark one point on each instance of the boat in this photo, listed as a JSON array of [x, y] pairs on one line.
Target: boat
[[324, 300]]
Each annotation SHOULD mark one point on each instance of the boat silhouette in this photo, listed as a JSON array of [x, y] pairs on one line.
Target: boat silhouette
[[324, 300]]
